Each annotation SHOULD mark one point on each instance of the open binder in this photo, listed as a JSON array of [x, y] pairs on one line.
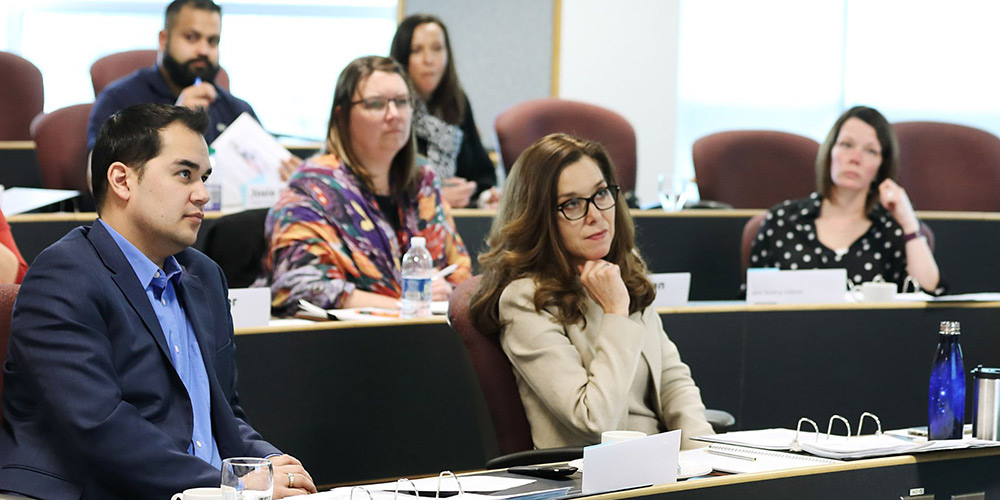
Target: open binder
[[840, 447]]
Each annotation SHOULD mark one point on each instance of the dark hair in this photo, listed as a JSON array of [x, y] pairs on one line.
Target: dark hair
[[404, 172], [448, 100], [524, 240], [132, 136], [175, 8], [887, 141]]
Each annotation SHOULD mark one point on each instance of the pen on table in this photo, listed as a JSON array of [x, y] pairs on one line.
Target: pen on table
[[730, 455], [445, 272], [379, 312]]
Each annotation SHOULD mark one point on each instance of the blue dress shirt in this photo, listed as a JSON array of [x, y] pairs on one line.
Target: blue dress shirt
[[160, 286]]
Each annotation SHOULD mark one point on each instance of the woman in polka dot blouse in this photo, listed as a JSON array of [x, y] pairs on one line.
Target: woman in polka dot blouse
[[859, 219]]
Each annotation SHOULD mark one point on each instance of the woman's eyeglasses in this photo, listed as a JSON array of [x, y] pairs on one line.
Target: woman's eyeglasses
[[378, 103], [577, 208]]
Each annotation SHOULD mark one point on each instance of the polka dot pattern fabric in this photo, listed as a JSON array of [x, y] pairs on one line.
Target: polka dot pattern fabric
[[787, 240]]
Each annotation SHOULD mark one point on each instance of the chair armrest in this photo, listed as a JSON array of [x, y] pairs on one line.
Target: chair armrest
[[531, 457]]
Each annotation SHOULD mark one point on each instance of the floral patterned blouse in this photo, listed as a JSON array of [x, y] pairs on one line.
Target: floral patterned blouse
[[327, 237]]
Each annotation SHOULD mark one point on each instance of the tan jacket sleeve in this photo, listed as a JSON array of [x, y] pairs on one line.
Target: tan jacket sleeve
[[680, 399]]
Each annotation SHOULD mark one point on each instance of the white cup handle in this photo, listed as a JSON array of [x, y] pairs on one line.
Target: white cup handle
[[177, 496]]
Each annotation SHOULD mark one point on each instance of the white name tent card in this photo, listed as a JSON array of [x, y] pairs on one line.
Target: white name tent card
[[261, 194], [671, 289], [245, 154], [250, 307], [627, 464], [813, 286]]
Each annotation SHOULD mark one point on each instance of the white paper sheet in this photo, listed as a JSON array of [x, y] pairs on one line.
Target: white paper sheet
[[245, 154], [638, 462]]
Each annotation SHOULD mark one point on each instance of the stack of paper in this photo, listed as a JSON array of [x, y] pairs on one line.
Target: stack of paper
[[765, 439], [473, 488], [741, 460], [844, 447]]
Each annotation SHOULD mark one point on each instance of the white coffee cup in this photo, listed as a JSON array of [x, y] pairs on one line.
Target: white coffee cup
[[217, 493], [620, 436], [873, 291]]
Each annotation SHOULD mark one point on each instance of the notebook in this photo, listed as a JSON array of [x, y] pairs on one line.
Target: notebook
[[740, 459]]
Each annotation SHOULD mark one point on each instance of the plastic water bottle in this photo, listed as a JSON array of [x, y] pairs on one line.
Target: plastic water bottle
[[946, 406], [418, 268], [213, 186]]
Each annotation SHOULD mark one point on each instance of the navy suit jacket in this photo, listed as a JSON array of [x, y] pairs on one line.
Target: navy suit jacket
[[93, 407]]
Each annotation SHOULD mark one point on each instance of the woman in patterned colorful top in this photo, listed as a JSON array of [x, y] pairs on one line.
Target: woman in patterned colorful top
[[859, 219], [341, 227]]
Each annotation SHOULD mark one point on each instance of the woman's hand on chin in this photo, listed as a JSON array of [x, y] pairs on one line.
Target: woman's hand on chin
[[893, 197], [603, 281]]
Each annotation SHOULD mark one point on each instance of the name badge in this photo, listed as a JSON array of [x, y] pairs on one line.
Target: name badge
[[813, 286], [671, 289], [250, 307]]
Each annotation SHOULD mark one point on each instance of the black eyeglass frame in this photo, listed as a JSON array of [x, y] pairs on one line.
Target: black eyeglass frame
[[592, 200]]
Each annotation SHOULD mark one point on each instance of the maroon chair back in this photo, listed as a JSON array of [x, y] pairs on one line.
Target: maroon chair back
[[754, 168], [752, 227], [496, 377], [22, 97], [944, 166], [529, 121], [750, 230], [61, 145], [8, 293], [111, 67]]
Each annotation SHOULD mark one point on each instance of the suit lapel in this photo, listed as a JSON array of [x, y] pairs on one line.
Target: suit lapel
[[124, 276]]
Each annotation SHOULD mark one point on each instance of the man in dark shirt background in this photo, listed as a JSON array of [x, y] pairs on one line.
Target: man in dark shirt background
[[184, 74]]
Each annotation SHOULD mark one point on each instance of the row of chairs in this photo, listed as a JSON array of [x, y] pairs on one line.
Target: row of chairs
[[60, 136], [943, 166]]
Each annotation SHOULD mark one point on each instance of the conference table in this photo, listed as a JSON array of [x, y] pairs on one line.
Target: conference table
[[941, 475], [705, 243], [389, 398]]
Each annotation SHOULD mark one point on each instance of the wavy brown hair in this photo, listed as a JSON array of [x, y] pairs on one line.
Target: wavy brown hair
[[404, 173], [524, 240]]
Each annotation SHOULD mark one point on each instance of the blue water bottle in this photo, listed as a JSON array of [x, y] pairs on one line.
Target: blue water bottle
[[946, 406]]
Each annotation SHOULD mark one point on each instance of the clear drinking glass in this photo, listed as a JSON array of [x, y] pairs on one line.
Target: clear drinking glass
[[673, 195], [252, 478]]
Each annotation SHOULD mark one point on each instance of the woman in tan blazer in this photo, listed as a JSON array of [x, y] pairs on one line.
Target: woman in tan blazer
[[568, 291]]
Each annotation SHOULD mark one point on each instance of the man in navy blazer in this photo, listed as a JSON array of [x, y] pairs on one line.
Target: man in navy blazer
[[120, 380]]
